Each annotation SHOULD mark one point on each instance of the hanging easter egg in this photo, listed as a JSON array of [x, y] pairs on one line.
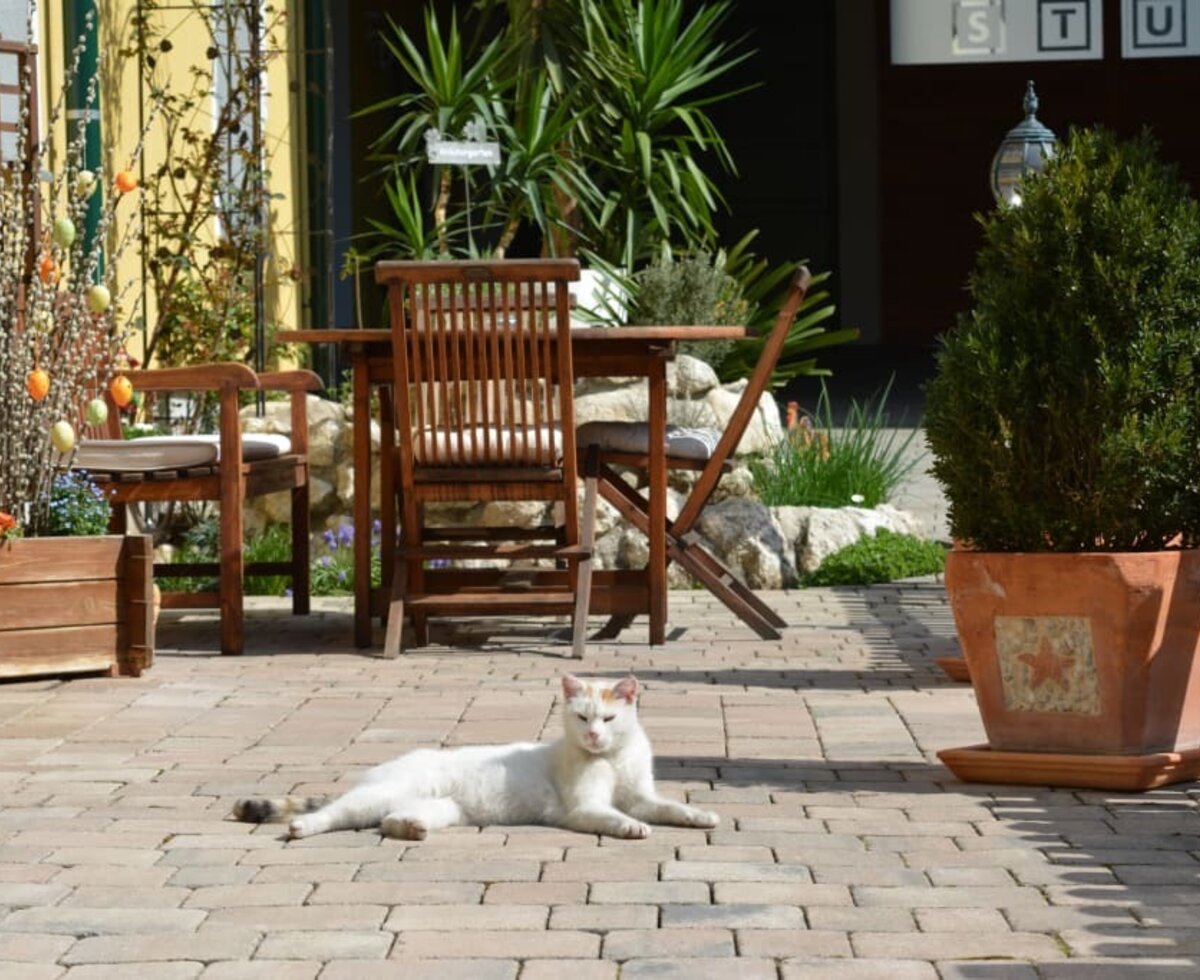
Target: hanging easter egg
[[98, 298], [62, 436], [64, 232], [96, 412], [85, 184], [43, 321], [121, 390], [37, 383], [48, 269], [126, 182]]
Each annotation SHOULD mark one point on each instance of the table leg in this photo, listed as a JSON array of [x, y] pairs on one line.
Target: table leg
[[658, 502], [362, 499]]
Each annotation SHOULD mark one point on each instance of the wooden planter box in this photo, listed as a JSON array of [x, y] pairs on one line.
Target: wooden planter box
[[76, 605]]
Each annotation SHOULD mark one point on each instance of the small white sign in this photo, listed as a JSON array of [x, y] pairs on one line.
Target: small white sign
[[944, 32], [1160, 28], [463, 152]]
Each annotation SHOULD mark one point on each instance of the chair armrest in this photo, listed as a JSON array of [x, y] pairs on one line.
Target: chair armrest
[[295, 380], [199, 377]]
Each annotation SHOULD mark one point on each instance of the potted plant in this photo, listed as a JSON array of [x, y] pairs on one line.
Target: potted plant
[[1064, 421], [78, 603]]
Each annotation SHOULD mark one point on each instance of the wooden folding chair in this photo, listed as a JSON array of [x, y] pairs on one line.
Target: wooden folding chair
[[604, 445], [228, 468], [483, 408]]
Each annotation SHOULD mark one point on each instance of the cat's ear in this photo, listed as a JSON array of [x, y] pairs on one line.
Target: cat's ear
[[627, 689], [572, 686]]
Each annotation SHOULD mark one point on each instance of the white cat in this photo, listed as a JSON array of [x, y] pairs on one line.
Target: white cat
[[597, 778]]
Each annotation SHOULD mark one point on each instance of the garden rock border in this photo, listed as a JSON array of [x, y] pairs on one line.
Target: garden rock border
[[768, 547]]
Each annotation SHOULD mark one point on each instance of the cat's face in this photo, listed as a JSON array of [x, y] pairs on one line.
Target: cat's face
[[598, 715]]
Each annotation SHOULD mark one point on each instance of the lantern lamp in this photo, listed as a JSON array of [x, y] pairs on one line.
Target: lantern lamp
[[1023, 151]]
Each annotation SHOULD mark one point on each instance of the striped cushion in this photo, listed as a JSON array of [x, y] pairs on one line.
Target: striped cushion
[[634, 438], [483, 444], [156, 453]]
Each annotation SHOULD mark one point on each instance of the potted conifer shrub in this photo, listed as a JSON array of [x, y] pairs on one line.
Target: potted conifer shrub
[[1064, 422]]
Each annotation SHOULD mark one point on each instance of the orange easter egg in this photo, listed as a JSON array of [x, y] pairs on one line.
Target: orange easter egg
[[48, 269], [121, 390], [126, 182], [37, 383]]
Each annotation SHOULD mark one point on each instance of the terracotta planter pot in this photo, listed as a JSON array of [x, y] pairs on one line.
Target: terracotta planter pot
[[76, 605], [1085, 666]]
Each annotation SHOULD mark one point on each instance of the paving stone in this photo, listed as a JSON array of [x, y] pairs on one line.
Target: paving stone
[[648, 892], [952, 946], [953, 970], [967, 897], [704, 871], [303, 918], [483, 944], [324, 945], [603, 918], [779, 893], [350, 893], [698, 969], [1125, 940], [459, 917], [536, 893], [260, 969], [422, 969], [628, 944], [165, 971], [575, 969], [793, 942], [206, 945], [233, 896], [739, 916], [101, 921], [33, 947], [122, 897], [828, 969]]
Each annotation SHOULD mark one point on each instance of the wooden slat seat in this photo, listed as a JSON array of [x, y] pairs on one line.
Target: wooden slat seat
[[483, 407]]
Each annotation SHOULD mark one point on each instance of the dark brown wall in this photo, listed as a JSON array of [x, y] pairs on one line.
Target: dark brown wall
[[939, 126]]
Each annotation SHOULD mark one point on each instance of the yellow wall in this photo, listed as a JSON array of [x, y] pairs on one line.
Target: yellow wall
[[119, 102]]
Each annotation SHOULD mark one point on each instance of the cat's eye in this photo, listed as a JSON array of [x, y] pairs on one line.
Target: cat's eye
[[609, 717], [582, 717]]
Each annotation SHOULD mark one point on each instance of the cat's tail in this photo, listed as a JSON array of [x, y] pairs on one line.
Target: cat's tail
[[281, 808]]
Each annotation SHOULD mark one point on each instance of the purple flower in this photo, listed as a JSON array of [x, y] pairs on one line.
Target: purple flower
[[346, 534], [328, 536], [325, 561]]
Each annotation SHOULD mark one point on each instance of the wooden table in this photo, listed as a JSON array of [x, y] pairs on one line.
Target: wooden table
[[597, 352]]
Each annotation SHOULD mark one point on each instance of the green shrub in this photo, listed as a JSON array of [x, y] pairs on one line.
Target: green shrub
[[818, 465], [885, 557], [1065, 414], [689, 289]]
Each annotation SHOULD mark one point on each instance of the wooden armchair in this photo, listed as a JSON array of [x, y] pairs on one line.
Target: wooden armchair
[[228, 468], [484, 411]]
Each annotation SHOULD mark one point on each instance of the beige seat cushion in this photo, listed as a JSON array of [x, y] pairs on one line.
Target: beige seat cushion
[[634, 438], [156, 453], [443, 448]]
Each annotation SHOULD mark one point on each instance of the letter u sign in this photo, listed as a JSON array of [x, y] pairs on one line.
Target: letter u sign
[[1159, 24]]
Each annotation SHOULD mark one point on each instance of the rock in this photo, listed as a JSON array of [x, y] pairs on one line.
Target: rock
[[765, 428], [626, 403], [690, 377], [747, 539], [829, 529]]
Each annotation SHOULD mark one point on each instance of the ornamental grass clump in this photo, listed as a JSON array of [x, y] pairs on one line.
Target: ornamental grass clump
[[60, 330], [1065, 413]]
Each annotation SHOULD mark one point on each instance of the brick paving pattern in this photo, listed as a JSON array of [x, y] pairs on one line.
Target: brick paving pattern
[[845, 849]]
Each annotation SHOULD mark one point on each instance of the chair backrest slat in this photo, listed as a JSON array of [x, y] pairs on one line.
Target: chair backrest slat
[[747, 405], [478, 350]]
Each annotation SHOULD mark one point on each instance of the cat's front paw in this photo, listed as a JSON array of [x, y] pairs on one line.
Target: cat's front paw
[[403, 828], [703, 818], [632, 830]]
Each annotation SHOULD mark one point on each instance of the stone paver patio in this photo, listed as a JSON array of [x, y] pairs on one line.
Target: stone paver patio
[[845, 849]]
